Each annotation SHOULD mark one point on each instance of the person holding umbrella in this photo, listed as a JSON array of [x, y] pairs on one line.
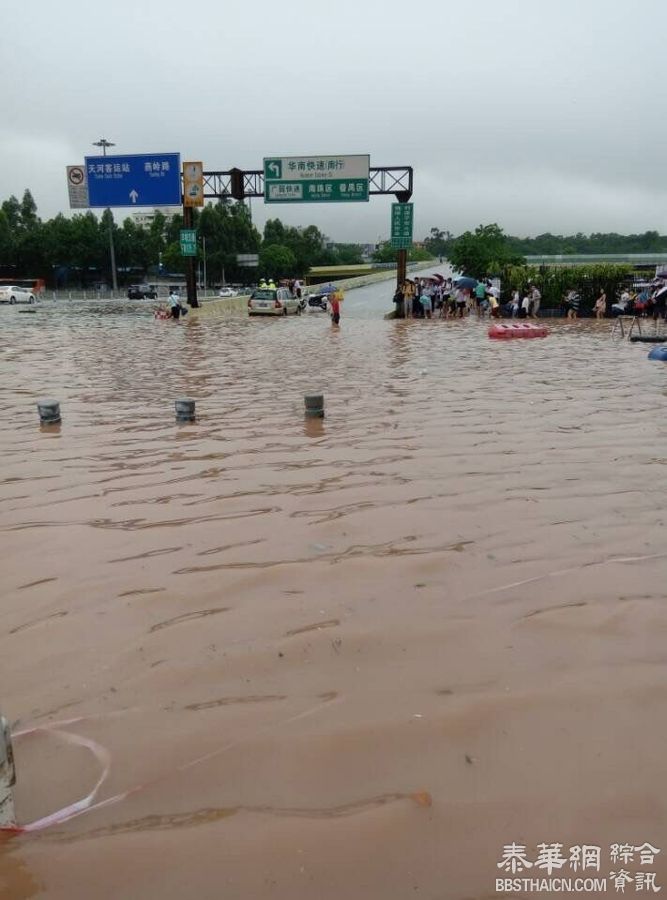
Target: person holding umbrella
[[464, 286]]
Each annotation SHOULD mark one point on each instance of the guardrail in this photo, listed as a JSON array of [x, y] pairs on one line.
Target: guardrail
[[47, 296]]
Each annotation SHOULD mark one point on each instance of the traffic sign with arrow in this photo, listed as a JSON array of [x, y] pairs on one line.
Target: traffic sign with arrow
[[316, 179], [144, 180]]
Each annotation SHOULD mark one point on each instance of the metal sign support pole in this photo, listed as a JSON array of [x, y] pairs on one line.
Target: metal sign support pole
[[112, 255], [191, 280], [402, 267]]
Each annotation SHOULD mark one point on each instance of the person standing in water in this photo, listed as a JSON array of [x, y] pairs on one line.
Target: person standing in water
[[334, 305], [175, 305]]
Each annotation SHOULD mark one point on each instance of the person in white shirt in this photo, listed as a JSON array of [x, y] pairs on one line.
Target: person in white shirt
[[525, 307], [535, 299]]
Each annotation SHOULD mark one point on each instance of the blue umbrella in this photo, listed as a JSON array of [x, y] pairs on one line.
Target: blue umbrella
[[327, 289], [465, 282]]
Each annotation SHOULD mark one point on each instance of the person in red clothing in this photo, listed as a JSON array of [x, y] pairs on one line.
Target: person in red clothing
[[334, 304]]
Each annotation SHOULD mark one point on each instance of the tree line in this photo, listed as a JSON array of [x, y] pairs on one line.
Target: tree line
[[73, 251], [441, 243]]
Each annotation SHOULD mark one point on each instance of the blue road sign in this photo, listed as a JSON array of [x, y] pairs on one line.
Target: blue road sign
[[136, 180]]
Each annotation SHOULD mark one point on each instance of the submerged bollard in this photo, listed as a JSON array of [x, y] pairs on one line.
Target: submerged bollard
[[185, 409], [7, 776], [314, 405], [49, 411]]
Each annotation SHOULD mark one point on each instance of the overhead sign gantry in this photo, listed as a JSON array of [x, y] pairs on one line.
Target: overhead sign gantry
[[240, 183]]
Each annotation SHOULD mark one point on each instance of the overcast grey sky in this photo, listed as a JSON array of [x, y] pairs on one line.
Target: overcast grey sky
[[539, 116]]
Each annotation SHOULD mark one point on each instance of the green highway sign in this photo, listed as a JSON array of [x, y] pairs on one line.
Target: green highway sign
[[188, 241], [316, 179], [402, 215]]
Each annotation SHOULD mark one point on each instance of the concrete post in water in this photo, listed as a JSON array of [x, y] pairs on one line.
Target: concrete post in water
[[7, 776], [185, 409], [314, 404], [49, 412]]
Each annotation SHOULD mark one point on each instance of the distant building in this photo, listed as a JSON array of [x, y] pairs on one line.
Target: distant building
[[145, 219]]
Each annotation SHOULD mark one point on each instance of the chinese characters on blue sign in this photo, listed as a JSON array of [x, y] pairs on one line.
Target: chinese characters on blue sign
[[134, 180]]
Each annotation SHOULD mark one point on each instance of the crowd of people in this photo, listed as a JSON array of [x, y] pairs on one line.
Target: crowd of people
[[458, 298], [648, 302], [449, 298]]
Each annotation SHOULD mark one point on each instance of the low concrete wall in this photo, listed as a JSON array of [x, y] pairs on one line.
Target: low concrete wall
[[220, 306], [347, 284]]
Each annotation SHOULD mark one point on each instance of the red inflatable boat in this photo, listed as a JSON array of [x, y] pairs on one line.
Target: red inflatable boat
[[517, 330]]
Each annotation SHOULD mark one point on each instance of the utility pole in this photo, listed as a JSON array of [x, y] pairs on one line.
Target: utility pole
[[104, 143], [190, 274]]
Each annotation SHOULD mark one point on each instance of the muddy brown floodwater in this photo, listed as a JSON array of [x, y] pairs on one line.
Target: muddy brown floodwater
[[349, 658]]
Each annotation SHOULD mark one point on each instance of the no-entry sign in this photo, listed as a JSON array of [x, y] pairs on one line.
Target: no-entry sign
[[77, 187]]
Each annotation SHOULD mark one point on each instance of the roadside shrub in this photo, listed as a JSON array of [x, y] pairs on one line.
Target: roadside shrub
[[554, 282]]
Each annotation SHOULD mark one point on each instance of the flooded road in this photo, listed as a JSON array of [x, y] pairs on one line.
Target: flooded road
[[352, 657]]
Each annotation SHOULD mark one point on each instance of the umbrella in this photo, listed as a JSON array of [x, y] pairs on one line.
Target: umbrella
[[327, 289], [437, 277], [465, 282]]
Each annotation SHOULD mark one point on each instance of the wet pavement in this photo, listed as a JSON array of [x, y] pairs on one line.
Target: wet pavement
[[350, 657]]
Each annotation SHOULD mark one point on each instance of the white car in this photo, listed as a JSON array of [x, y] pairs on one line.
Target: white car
[[11, 293], [228, 292], [270, 302]]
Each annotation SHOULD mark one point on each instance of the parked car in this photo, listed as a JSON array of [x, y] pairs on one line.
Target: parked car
[[228, 292], [141, 292], [11, 293], [269, 302]]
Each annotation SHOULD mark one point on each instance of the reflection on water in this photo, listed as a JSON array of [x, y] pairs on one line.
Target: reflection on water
[[16, 880], [451, 587]]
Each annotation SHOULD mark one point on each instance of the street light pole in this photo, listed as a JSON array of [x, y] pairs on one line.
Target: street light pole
[[104, 143]]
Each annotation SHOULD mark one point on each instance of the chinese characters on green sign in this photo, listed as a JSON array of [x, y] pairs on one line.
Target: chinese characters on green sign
[[401, 225], [188, 242], [316, 179]]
